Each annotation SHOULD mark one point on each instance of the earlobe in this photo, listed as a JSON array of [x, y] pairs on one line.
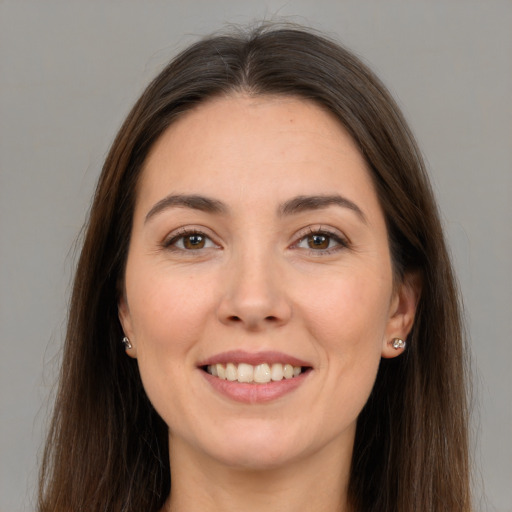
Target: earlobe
[[401, 314], [124, 315]]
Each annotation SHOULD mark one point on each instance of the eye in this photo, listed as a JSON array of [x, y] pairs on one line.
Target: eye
[[189, 241], [321, 241]]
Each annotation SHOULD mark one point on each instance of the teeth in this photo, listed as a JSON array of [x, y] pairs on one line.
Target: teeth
[[245, 372], [277, 372], [260, 374], [231, 372], [221, 371]]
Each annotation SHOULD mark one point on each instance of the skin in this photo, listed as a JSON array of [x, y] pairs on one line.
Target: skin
[[256, 284]]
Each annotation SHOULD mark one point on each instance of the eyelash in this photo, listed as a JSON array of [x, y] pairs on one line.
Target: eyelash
[[171, 243], [342, 242], [183, 233]]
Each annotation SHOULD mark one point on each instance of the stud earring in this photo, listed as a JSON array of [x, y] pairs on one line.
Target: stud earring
[[398, 343], [126, 343]]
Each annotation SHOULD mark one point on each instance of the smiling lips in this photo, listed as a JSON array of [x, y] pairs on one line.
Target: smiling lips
[[253, 378]]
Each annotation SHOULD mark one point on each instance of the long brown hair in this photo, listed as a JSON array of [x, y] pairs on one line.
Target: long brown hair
[[107, 447]]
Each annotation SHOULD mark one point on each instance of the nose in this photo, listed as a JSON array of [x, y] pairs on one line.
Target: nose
[[254, 295]]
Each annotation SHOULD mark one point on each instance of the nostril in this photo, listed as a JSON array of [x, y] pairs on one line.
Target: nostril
[[234, 318], [271, 318]]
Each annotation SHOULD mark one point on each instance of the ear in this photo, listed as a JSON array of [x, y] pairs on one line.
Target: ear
[[125, 318], [402, 312]]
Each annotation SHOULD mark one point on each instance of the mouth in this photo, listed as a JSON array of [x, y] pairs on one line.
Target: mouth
[[255, 377], [262, 373]]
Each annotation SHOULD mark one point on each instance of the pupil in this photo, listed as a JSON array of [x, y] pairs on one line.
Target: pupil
[[194, 241], [318, 241]]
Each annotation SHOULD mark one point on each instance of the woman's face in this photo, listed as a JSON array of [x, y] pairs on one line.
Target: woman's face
[[258, 244]]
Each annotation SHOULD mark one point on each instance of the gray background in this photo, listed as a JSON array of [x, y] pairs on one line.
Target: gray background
[[69, 71]]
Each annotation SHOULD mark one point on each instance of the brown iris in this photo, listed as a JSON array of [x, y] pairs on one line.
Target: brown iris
[[318, 241], [194, 241]]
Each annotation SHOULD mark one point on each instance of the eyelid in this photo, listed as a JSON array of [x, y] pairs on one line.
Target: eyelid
[[183, 231], [333, 233]]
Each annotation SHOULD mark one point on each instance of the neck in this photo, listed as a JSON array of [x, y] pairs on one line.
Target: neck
[[316, 482]]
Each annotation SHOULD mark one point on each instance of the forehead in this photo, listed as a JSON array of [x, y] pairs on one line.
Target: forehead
[[253, 148]]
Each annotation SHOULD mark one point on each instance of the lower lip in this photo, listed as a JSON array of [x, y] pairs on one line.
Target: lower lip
[[255, 393]]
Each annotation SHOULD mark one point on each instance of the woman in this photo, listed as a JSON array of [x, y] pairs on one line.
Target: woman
[[264, 313]]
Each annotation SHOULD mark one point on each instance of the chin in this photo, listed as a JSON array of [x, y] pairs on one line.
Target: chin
[[252, 458], [259, 448]]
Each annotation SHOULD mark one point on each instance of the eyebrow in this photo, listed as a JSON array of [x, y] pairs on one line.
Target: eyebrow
[[292, 206], [195, 202], [304, 203]]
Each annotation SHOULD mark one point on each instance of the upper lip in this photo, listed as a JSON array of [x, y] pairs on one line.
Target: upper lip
[[254, 358]]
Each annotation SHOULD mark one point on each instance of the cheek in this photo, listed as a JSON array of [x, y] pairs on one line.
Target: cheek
[[349, 324], [350, 310], [167, 314], [168, 317]]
